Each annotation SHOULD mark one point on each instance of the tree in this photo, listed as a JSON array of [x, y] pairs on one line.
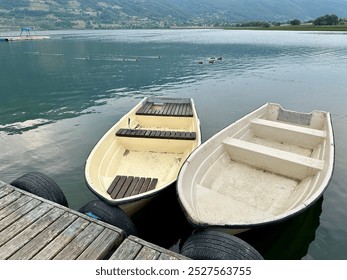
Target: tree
[[295, 22], [327, 20]]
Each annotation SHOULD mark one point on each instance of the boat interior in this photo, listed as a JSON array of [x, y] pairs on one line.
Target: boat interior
[[264, 168], [151, 143]]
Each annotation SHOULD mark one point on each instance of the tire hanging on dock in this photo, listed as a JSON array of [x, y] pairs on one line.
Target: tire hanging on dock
[[110, 214], [42, 186], [217, 245]]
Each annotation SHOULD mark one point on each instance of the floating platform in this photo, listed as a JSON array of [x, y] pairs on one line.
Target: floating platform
[[23, 38], [32, 227]]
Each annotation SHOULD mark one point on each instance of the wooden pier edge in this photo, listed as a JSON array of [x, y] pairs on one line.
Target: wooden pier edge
[[32, 227], [134, 248]]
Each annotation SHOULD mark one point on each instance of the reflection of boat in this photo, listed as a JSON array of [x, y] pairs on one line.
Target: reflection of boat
[[266, 167], [25, 34], [289, 240], [142, 154]]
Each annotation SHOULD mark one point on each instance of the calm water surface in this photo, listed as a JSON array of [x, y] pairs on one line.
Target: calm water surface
[[59, 96]]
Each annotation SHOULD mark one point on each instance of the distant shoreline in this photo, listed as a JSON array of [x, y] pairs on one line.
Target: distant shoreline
[[302, 27], [295, 28]]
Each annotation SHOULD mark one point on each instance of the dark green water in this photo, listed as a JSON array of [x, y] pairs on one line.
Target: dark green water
[[59, 96]]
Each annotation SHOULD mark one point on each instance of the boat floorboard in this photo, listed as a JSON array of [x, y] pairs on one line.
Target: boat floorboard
[[34, 228], [124, 186], [166, 109]]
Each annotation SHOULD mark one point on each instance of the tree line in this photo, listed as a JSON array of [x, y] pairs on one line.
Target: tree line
[[323, 20]]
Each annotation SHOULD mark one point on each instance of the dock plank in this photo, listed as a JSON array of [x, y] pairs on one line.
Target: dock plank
[[5, 189], [147, 253], [103, 244], [30, 249], [17, 211], [14, 228], [58, 244], [80, 243], [128, 250], [11, 197], [134, 248], [23, 200], [26, 235]]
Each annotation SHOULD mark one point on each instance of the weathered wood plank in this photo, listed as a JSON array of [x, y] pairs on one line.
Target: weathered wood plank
[[26, 235], [8, 199], [30, 249], [173, 255], [5, 189], [135, 248], [128, 250], [166, 257], [54, 247], [102, 245], [147, 253], [15, 228], [17, 212], [23, 200], [80, 243]]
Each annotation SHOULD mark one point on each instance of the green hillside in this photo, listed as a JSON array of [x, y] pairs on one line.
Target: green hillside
[[64, 14]]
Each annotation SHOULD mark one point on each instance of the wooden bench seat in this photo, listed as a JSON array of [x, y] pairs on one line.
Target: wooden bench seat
[[166, 109], [273, 160], [124, 186], [159, 134]]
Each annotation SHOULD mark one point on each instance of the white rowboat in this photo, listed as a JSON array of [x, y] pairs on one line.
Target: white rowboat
[[264, 168], [143, 152]]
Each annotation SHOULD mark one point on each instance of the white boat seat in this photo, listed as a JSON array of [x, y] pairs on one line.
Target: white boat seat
[[283, 132], [166, 109], [159, 134], [124, 186], [273, 160]]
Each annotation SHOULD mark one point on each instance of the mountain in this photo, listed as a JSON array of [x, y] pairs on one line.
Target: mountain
[[62, 14]]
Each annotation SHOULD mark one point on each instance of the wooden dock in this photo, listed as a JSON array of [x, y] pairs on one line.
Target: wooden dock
[[34, 228]]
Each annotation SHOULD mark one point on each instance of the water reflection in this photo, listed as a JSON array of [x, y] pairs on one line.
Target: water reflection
[[288, 240]]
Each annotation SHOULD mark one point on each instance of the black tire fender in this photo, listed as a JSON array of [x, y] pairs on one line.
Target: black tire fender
[[41, 185], [217, 245], [110, 214]]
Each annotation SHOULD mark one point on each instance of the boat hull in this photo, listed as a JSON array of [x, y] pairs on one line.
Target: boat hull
[[143, 152], [265, 168]]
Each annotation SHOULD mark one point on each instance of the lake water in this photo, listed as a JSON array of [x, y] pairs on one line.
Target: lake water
[[59, 96]]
